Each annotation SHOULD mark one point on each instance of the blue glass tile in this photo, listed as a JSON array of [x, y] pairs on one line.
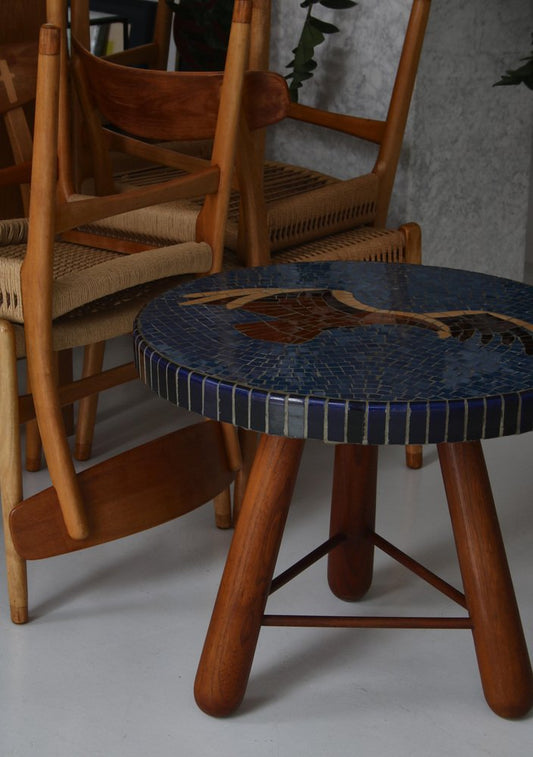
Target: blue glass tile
[[526, 414], [511, 421], [225, 402], [258, 411], [183, 388], [296, 418], [315, 418], [493, 417], [241, 407], [336, 420], [397, 423], [475, 421], [159, 376], [456, 421], [437, 422], [276, 415], [210, 398], [418, 422], [196, 382], [356, 422], [377, 424]]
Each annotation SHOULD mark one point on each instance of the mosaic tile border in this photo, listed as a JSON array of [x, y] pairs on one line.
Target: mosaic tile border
[[335, 421]]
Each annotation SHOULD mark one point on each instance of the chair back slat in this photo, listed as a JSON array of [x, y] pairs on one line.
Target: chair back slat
[[152, 104], [174, 105], [18, 74]]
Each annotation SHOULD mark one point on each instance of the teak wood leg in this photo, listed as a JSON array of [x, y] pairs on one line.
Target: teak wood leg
[[501, 650], [248, 441], [414, 456], [353, 512], [93, 361], [236, 620], [11, 471]]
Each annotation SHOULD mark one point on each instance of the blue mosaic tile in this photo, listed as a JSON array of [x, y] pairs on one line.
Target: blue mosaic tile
[[346, 352]]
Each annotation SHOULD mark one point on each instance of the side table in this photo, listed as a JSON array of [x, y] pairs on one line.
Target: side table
[[360, 355]]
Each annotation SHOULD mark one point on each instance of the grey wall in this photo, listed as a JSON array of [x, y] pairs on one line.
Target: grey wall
[[465, 172]]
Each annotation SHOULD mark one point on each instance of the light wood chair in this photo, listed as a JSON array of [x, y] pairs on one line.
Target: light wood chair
[[289, 213], [299, 214], [18, 63], [282, 213], [19, 30], [66, 289], [307, 215]]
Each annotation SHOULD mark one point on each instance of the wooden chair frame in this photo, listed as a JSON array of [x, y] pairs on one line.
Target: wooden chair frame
[[108, 500]]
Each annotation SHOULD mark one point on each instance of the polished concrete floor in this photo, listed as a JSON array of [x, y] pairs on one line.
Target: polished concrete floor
[[106, 666]]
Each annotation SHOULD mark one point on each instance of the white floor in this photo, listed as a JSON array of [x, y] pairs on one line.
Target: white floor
[[106, 666]]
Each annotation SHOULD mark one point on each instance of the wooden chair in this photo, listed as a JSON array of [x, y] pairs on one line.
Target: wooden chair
[[288, 213], [46, 309], [348, 217], [298, 214], [18, 63], [283, 213]]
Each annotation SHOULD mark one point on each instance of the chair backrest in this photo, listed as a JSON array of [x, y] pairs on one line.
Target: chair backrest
[[19, 30], [18, 75], [386, 133], [148, 102]]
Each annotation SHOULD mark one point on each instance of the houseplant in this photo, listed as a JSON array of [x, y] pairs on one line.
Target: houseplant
[[313, 34], [521, 75]]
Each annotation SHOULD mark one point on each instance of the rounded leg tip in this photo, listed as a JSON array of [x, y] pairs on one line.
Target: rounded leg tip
[[82, 451], [216, 707], [513, 711], [33, 464], [223, 521], [19, 615], [414, 457], [347, 593]]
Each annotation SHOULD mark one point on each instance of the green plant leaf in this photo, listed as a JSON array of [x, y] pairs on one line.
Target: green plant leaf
[[312, 35], [521, 75], [322, 26]]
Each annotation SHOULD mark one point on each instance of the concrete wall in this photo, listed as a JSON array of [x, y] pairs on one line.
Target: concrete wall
[[465, 172]]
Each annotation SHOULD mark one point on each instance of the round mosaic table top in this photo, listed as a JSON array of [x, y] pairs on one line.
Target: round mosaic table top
[[349, 352]]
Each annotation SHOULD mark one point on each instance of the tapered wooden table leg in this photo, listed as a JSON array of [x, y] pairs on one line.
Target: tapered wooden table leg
[[501, 649], [248, 441], [353, 512], [236, 620]]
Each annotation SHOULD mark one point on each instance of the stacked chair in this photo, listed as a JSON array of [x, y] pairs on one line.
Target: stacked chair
[[63, 288], [79, 270], [287, 213]]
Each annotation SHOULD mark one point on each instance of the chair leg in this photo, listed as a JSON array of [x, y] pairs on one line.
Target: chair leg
[[93, 361], [65, 376], [414, 456], [11, 471], [501, 649], [34, 446], [222, 503], [353, 513], [236, 620]]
